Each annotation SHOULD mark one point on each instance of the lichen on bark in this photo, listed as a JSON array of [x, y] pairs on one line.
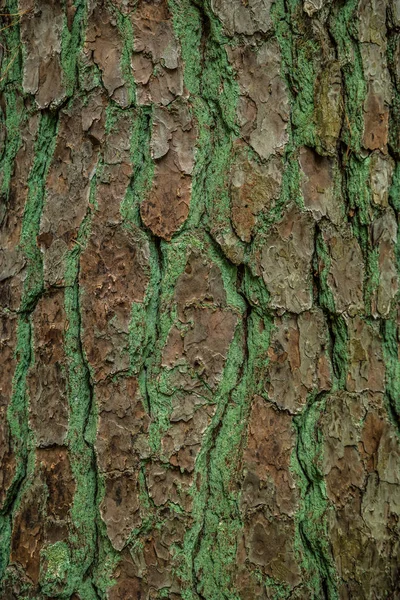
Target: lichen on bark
[[199, 266]]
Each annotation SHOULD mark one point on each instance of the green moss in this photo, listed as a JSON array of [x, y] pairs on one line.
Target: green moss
[[343, 27], [83, 510], [203, 157], [188, 29], [43, 152], [124, 25], [71, 45], [55, 563], [359, 198], [143, 166], [210, 545], [276, 591], [81, 425], [312, 537], [300, 56], [357, 187], [211, 81], [17, 410]]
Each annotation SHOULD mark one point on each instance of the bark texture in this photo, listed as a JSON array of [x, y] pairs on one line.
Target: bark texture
[[199, 257]]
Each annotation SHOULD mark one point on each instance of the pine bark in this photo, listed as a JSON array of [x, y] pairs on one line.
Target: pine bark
[[199, 259]]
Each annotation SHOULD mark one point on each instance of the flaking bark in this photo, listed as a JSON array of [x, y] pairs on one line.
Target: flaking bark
[[199, 261]]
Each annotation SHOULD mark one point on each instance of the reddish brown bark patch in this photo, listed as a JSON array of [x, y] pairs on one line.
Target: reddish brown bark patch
[[114, 274], [254, 188], [8, 338], [46, 379], [156, 63], [172, 147], [268, 482]]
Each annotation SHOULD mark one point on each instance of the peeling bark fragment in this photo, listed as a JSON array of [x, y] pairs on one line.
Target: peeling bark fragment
[[201, 281], [103, 45], [122, 426], [264, 107], [395, 11], [246, 18], [246, 581], [12, 263], [318, 186], [381, 171], [360, 451], [367, 367], [253, 187], [372, 34], [344, 472], [127, 585], [372, 21], [121, 443], [270, 545], [207, 325], [153, 560], [376, 123], [8, 338], [207, 341], [328, 110], [46, 379], [114, 274], [345, 268], [167, 485], [182, 443], [12, 260], [157, 557], [68, 182], [120, 507], [41, 25], [156, 63], [376, 106], [311, 7], [286, 261], [381, 506], [384, 238], [268, 482], [298, 360], [172, 148]]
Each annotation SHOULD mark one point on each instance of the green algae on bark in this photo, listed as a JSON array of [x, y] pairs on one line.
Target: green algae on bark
[[199, 310]]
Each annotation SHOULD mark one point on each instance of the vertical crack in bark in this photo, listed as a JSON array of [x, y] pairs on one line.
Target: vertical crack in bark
[[17, 413], [311, 519], [389, 328], [198, 432], [82, 416]]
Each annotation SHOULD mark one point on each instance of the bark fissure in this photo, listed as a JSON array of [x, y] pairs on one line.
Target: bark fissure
[[199, 261]]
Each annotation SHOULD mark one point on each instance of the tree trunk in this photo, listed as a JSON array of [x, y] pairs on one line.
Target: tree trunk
[[200, 395]]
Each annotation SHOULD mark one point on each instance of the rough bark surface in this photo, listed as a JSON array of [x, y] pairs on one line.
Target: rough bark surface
[[199, 261]]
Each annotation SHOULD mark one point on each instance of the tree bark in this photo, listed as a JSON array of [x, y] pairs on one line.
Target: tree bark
[[200, 389]]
